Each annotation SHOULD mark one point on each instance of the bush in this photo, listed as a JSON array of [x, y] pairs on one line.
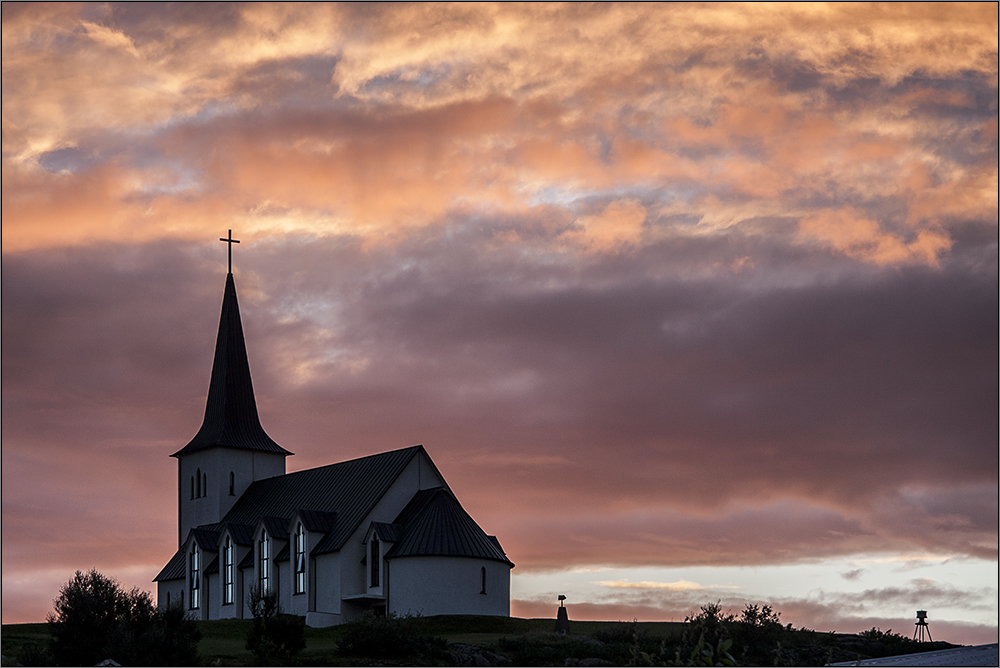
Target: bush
[[274, 637], [386, 637], [95, 619]]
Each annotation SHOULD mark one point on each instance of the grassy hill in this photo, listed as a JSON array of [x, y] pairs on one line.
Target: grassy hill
[[471, 640]]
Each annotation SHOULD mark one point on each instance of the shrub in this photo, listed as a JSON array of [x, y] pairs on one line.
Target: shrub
[[95, 619], [386, 637], [274, 637]]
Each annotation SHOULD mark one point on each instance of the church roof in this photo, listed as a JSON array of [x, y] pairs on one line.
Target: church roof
[[174, 570], [276, 527], [231, 419], [435, 524], [242, 534], [315, 520], [388, 532], [350, 489]]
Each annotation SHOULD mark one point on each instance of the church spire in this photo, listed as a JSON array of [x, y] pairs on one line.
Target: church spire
[[231, 419]]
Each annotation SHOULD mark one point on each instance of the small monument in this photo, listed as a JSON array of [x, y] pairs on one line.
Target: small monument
[[921, 627], [562, 618]]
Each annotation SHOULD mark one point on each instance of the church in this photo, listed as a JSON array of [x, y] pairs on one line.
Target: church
[[382, 533]]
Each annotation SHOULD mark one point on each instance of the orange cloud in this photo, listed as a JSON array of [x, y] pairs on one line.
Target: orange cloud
[[618, 226], [849, 231]]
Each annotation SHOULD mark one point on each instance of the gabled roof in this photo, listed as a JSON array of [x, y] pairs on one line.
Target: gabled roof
[[435, 524], [207, 539], [242, 533], [231, 419], [388, 532], [284, 554], [350, 489], [276, 527], [317, 520]]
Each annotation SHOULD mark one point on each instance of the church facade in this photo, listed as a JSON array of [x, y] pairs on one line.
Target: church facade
[[382, 533]]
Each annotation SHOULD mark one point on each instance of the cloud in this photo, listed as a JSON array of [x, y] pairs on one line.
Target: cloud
[[726, 294], [852, 233], [680, 585], [618, 225]]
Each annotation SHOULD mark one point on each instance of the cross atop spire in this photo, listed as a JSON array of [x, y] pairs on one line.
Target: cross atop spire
[[230, 241]]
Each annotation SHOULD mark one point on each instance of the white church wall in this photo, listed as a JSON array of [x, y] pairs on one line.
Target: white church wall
[[211, 596], [448, 585], [418, 474], [327, 581], [210, 500], [169, 592]]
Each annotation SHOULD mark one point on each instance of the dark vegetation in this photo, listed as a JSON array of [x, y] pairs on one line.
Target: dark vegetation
[[711, 637], [95, 619], [274, 638]]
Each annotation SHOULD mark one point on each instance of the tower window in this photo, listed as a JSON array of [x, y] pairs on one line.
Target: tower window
[[204, 485], [232, 484], [197, 477], [192, 487], [483, 574]]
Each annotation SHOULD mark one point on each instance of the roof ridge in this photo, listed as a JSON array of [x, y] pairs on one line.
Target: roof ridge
[[346, 461]]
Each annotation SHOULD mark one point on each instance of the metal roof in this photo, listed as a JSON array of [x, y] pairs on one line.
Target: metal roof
[[315, 520], [386, 531], [242, 533], [276, 527], [435, 524], [207, 539], [174, 570], [231, 419], [350, 489]]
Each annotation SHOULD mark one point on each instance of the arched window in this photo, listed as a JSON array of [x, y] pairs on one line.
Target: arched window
[[195, 577], [192, 487], [197, 476], [228, 571], [374, 558], [168, 599], [204, 484], [232, 484], [264, 562], [300, 559], [483, 574]]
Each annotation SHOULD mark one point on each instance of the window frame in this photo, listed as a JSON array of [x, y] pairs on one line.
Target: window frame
[[299, 559], [228, 572], [263, 562], [195, 577]]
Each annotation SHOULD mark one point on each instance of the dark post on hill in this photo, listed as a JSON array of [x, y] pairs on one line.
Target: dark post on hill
[[562, 617]]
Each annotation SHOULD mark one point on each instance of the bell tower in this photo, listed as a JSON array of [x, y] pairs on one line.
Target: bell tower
[[231, 450]]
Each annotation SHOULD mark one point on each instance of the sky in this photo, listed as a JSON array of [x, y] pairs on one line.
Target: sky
[[688, 303]]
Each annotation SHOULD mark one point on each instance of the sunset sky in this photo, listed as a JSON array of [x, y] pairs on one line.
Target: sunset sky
[[688, 303]]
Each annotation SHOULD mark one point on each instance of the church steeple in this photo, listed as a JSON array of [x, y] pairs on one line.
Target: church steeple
[[231, 419]]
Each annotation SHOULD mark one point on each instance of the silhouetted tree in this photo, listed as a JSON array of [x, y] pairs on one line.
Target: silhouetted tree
[[274, 637], [95, 619]]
